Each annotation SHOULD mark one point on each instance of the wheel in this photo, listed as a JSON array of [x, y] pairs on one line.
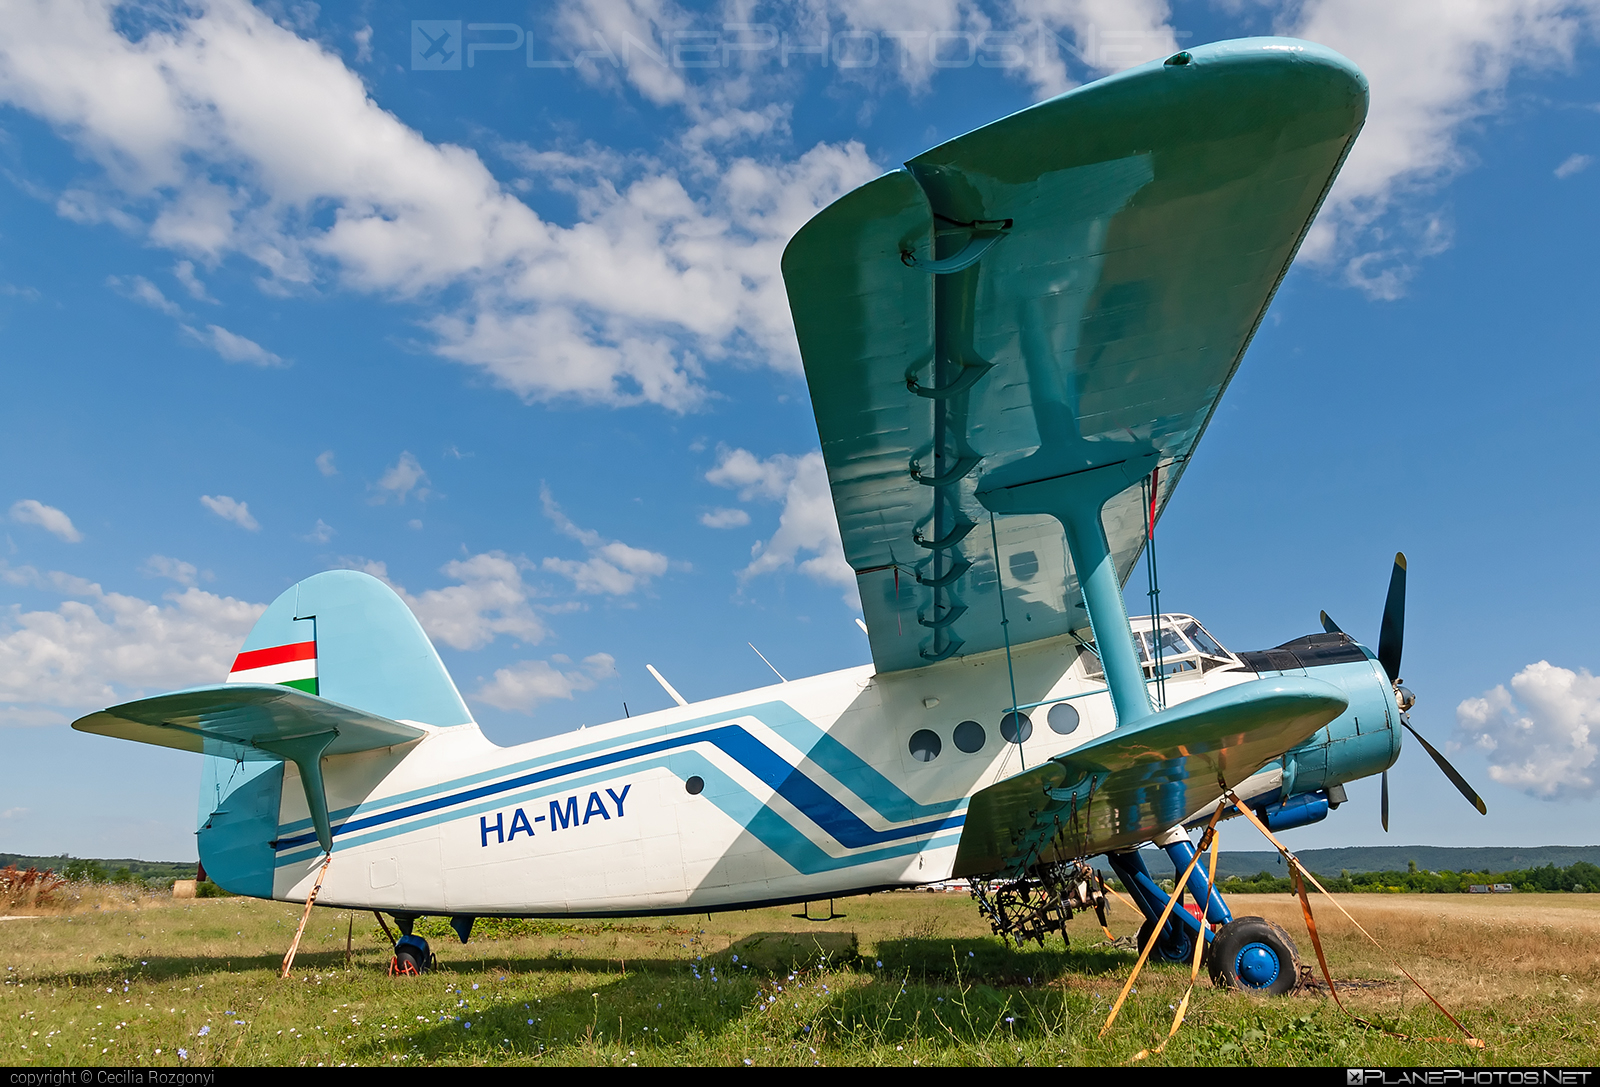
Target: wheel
[[411, 957], [1255, 954], [1176, 943]]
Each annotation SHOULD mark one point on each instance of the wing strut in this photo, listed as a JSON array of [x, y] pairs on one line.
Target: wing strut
[[1075, 499]]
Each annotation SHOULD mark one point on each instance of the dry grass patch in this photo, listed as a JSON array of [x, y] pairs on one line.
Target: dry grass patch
[[899, 979]]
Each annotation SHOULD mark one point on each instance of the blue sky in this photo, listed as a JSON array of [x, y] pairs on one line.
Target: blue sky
[[275, 297]]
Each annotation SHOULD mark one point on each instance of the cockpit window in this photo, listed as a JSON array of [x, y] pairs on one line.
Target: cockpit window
[[1186, 648], [1206, 644], [1171, 644]]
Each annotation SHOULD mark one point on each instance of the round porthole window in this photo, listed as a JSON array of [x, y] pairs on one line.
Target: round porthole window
[[694, 785], [969, 736], [1016, 728], [925, 745], [1063, 718]]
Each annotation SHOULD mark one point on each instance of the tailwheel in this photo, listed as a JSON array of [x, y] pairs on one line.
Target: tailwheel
[[1175, 945], [1253, 953], [412, 956]]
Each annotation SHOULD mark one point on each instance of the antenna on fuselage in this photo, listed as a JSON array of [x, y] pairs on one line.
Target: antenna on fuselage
[[765, 661], [862, 625], [676, 697]]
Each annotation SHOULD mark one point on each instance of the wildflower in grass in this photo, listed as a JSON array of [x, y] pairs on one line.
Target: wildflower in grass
[[183, 1054], [204, 1031]]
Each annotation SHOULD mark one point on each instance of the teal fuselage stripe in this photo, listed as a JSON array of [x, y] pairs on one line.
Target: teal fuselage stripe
[[736, 741], [731, 798], [882, 795]]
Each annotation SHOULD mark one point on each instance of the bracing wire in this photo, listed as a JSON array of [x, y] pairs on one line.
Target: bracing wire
[[1151, 487], [1005, 629]]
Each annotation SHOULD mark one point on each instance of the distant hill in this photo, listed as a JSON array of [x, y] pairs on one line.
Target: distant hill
[[150, 871], [1390, 858]]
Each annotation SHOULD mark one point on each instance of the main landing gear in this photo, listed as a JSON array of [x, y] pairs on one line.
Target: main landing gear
[[1244, 953]]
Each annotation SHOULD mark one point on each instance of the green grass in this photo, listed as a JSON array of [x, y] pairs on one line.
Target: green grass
[[900, 979]]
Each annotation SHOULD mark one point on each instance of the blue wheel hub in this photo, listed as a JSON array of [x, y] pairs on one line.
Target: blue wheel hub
[[1256, 965]]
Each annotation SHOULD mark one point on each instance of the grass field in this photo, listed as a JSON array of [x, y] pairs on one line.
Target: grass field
[[899, 979]]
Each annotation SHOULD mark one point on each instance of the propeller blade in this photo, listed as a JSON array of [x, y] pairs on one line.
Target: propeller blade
[[1385, 802], [1392, 635], [1329, 625], [1449, 771]]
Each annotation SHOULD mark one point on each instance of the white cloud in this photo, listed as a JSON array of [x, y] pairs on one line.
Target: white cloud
[[1573, 164], [325, 463], [399, 481], [230, 510], [1434, 68], [725, 518], [184, 573], [1541, 736], [233, 347], [612, 567], [626, 37], [320, 533], [527, 683], [222, 133], [183, 272], [30, 511], [742, 471], [107, 647], [807, 524], [1107, 36], [490, 600], [141, 290]]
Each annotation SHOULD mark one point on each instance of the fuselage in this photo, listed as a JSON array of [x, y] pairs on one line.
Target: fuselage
[[806, 789]]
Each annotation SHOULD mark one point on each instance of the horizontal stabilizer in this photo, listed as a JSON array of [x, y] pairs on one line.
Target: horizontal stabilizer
[[245, 721], [1132, 783], [256, 722]]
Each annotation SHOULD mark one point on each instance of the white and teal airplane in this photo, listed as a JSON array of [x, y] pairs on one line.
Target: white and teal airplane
[[1013, 346]]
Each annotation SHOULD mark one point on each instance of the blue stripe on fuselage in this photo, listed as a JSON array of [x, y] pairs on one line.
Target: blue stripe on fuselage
[[788, 781]]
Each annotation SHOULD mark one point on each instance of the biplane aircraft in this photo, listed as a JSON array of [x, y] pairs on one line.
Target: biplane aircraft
[[1013, 346]]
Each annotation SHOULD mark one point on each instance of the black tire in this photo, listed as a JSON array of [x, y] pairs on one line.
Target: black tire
[[1175, 945], [1253, 954]]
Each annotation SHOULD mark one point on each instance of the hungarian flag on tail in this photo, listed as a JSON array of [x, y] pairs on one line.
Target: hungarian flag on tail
[[289, 665]]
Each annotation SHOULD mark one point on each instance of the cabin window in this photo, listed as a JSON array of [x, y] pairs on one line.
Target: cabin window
[[1063, 718], [970, 737], [925, 745], [1016, 728]]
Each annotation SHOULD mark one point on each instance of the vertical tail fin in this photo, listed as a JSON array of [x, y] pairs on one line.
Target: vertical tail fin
[[346, 636]]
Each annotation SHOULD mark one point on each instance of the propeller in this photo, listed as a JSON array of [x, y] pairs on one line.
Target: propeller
[[1391, 642]]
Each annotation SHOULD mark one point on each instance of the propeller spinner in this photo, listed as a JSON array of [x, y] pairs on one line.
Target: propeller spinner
[[1391, 641]]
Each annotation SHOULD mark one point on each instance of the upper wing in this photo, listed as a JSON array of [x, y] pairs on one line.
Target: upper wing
[[1093, 265], [1134, 782], [246, 721]]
